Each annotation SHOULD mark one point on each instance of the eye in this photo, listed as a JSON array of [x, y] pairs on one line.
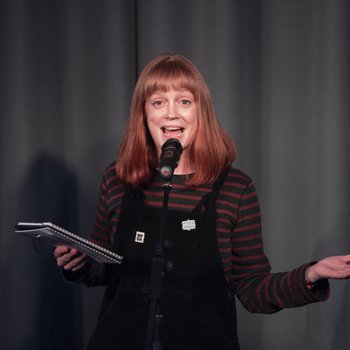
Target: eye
[[157, 103], [185, 102]]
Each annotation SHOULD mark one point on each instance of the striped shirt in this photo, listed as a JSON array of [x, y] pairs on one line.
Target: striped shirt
[[239, 238]]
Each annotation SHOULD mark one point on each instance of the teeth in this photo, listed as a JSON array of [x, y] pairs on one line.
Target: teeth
[[172, 128]]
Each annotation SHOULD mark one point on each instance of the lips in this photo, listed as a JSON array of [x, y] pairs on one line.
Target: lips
[[172, 131]]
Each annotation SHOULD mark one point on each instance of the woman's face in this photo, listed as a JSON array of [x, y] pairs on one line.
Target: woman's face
[[172, 114]]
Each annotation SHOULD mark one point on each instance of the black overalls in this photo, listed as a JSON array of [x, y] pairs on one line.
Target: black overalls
[[197, 307]]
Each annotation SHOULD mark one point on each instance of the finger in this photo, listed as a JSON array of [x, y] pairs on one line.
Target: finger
[[343, 274], [346, 258], [78, 267], [75, 262], [73, 265], [61, 250], [66, 258]]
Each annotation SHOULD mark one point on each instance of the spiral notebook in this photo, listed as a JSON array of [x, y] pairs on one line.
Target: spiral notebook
[[55, 235]]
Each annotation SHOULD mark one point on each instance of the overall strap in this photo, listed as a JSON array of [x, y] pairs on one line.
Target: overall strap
[[209, 199], [131, 201]]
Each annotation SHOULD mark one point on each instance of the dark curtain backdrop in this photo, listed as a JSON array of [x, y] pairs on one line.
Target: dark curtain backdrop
[[279, 75]]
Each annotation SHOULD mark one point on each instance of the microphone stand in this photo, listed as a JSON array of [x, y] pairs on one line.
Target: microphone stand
[[154, 316]]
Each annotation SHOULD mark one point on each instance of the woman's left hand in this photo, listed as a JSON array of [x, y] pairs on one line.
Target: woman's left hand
[[332, 267]]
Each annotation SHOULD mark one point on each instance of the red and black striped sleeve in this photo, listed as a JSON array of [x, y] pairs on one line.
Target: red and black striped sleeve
[[108, 209], [257, 288], [105, 223]]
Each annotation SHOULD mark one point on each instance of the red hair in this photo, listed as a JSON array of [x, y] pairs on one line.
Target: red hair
[[212, 149]]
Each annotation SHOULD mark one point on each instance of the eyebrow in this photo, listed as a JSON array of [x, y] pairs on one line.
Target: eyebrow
[[159, 93]]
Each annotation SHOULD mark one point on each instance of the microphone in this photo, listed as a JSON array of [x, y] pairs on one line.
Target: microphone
[[169, 158]]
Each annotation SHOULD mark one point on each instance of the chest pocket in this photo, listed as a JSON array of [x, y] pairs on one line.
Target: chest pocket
[[180, 246]]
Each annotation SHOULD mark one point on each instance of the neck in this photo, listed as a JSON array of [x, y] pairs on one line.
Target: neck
[[183, 168]]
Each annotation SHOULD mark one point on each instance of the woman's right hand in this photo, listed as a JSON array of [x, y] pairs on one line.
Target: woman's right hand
[[69, 258]]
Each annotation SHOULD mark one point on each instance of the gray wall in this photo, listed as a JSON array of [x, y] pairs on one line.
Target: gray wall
[[279, 74]]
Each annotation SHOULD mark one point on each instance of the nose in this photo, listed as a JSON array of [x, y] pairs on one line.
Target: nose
[[171, 111], [170, 116]]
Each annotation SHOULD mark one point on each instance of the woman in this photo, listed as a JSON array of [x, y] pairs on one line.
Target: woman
[[217, 256]]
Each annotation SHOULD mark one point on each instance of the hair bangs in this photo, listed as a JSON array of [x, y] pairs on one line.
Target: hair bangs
[[170, 75]]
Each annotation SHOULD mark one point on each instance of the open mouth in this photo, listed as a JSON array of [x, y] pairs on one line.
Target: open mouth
[[175, 131]]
